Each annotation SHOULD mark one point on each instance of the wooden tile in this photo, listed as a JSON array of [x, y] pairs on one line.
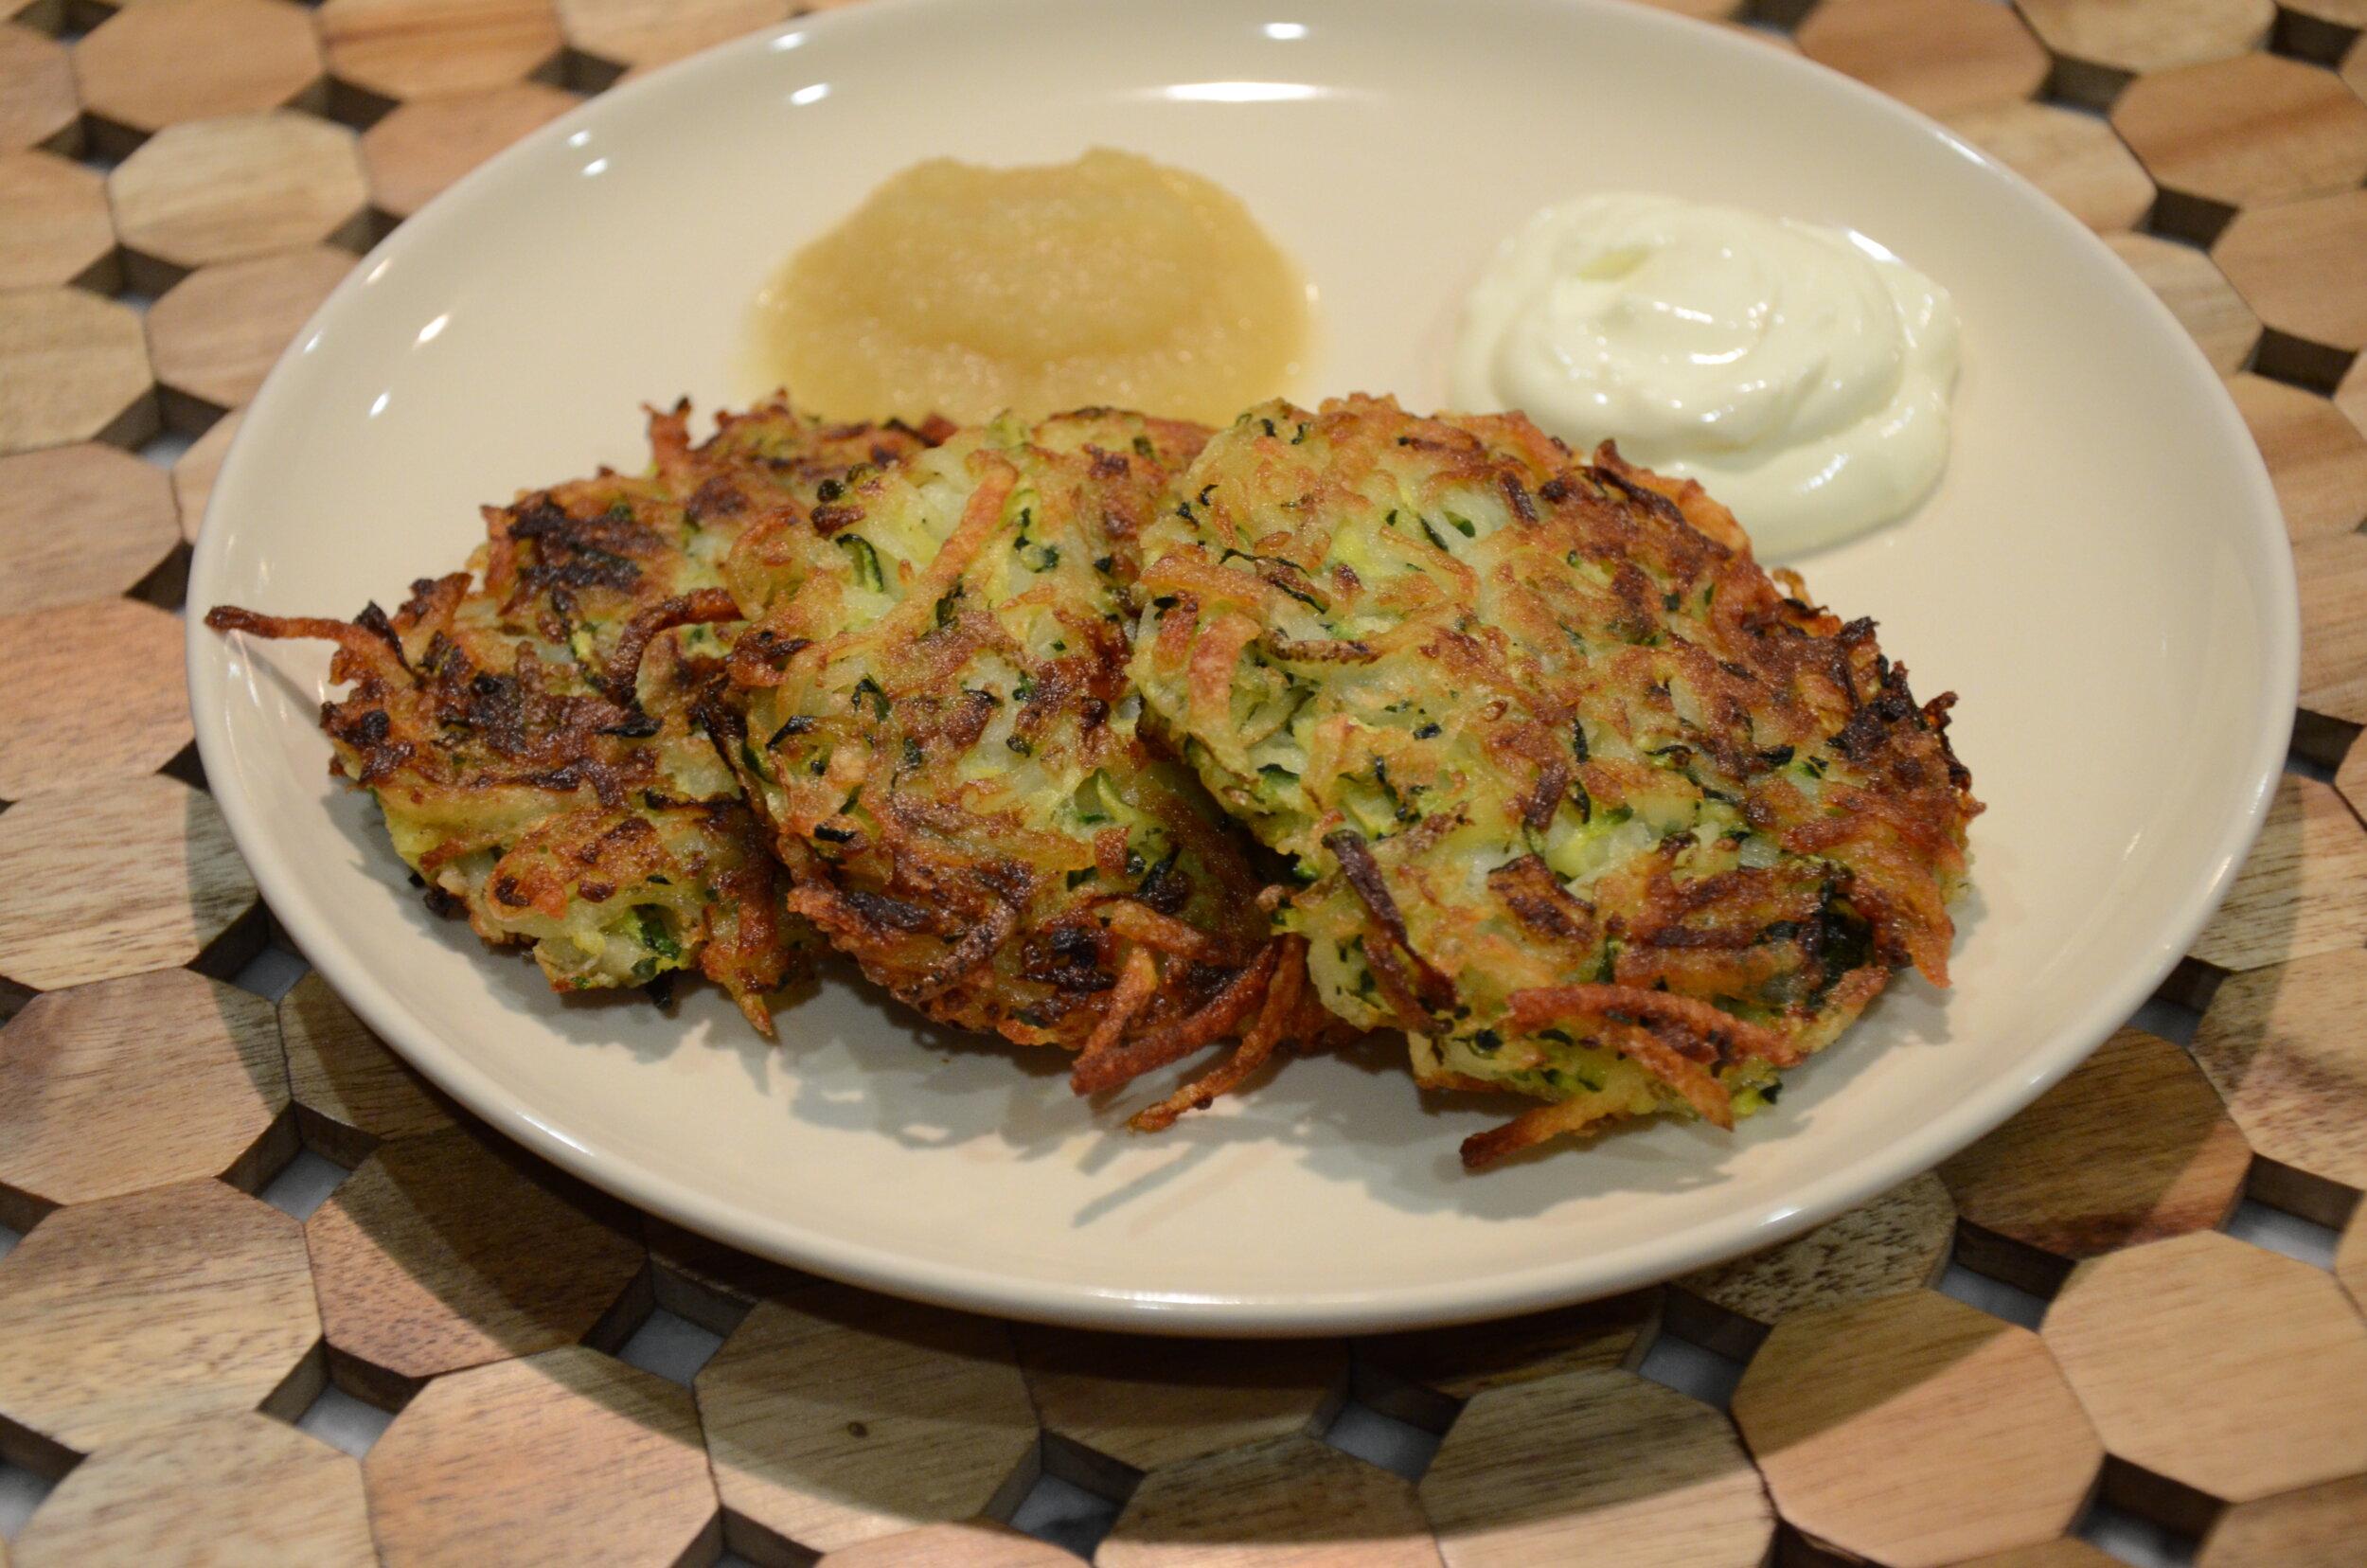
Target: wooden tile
[[414, 48], [839, 1416], [2149, 35], [2224, 1367], [1599, 1467], [162, 61], [218, 331], [2134, 1146], [338, 1069], [449, 1251], [2303, 890], [135, 1083], [1917, 1430], [73, 367], [1283, 1502], [2331, 571], [2054, 1554], [711, 1284], [242, 1489], [38, 107], [2073, 157], [244, 185], [1898, 1243], [80, 523], [1941, 55], [2213, 315], [2317, 458], [568, 1459], [1462, 1361], [1150, 1402], [2247, 132], [2350, 1257], [194, 471], [132, 1313], [115, 879], [2297, 264], [2351, 396], [2316, 1528], [641, 33], [54, 226], [2283, 1048], [965, 1544], [53, 736], [2354, 67], [425, 145]]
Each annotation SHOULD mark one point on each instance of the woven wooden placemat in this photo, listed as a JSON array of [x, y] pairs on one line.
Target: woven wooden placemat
[[266, 1299]]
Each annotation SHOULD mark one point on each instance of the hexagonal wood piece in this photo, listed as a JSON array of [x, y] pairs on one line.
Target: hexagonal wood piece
[[2149, 35], [838, 1417], [1917, 1430], [967, 1543], [2297, 266], [2331, 569], [568, 1457], [2213, 315], [642, 33], [37, 103], [194, 471], [162, 61], [711, 1284], [1599, 1467], [2316, 456], [2303, 890], [53, 736], [135, 1083], [244, 185], [2315, 1527], [80, 523], [2284, 1047], [73, 367], [119, 877], [1150, 1402], [426, 144], [1288, 1502], [241, 1489], [1942, 56], [1462, 1361], [2224, 1367], [1896, 1243], [216, 333], [449, 1251], [414, 48], [132, 1313], [2134, 1146], [2054, 1554], [2247, 132], [341, 1071], [2073, 157], [54, 226]]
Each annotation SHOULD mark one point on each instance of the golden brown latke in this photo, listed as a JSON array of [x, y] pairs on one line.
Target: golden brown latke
[[1586, 804]]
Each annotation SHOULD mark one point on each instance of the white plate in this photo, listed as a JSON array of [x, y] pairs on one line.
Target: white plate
[[2101, 576]]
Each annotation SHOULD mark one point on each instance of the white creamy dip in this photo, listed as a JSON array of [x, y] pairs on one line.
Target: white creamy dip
[[1800, 373]]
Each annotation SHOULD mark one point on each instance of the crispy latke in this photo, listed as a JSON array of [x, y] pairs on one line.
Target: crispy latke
[[1586, 804]]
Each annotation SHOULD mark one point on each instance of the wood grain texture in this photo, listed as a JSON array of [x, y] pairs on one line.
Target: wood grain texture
[[38, 107], [1597, 1467], [215, 335], [96, 691], [2296, 264], [2303, 890], [342, 1072], [2170, 1349], [2132, 1147], [2054, 1554], [711, 1284], [567, 1459], [636, 34], [1283, 1502], [2316, 456], [2284, 1049], [838, 1417], [132, 1313], [54, 226], [2073, 157], [172, 881], [2149, 35], [2246, 132], [1896, 1243], [2331, 570], [965, 1543], [162, 62], [73, 367], [240, 1491], [1942, 56], [415, 48], [194, 471], [1917, 1430], [450, 1251], [2316, 1528], [2213, 315], [426, 144], [80, 523], [244, 185], [1463, 1360], [135, 1083], [1150, 1401]]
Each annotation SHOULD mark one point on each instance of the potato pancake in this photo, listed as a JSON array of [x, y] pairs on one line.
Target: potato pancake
[[1582, 801]]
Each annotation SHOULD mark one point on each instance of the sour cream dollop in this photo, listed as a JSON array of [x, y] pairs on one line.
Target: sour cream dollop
[[1801, 374]]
